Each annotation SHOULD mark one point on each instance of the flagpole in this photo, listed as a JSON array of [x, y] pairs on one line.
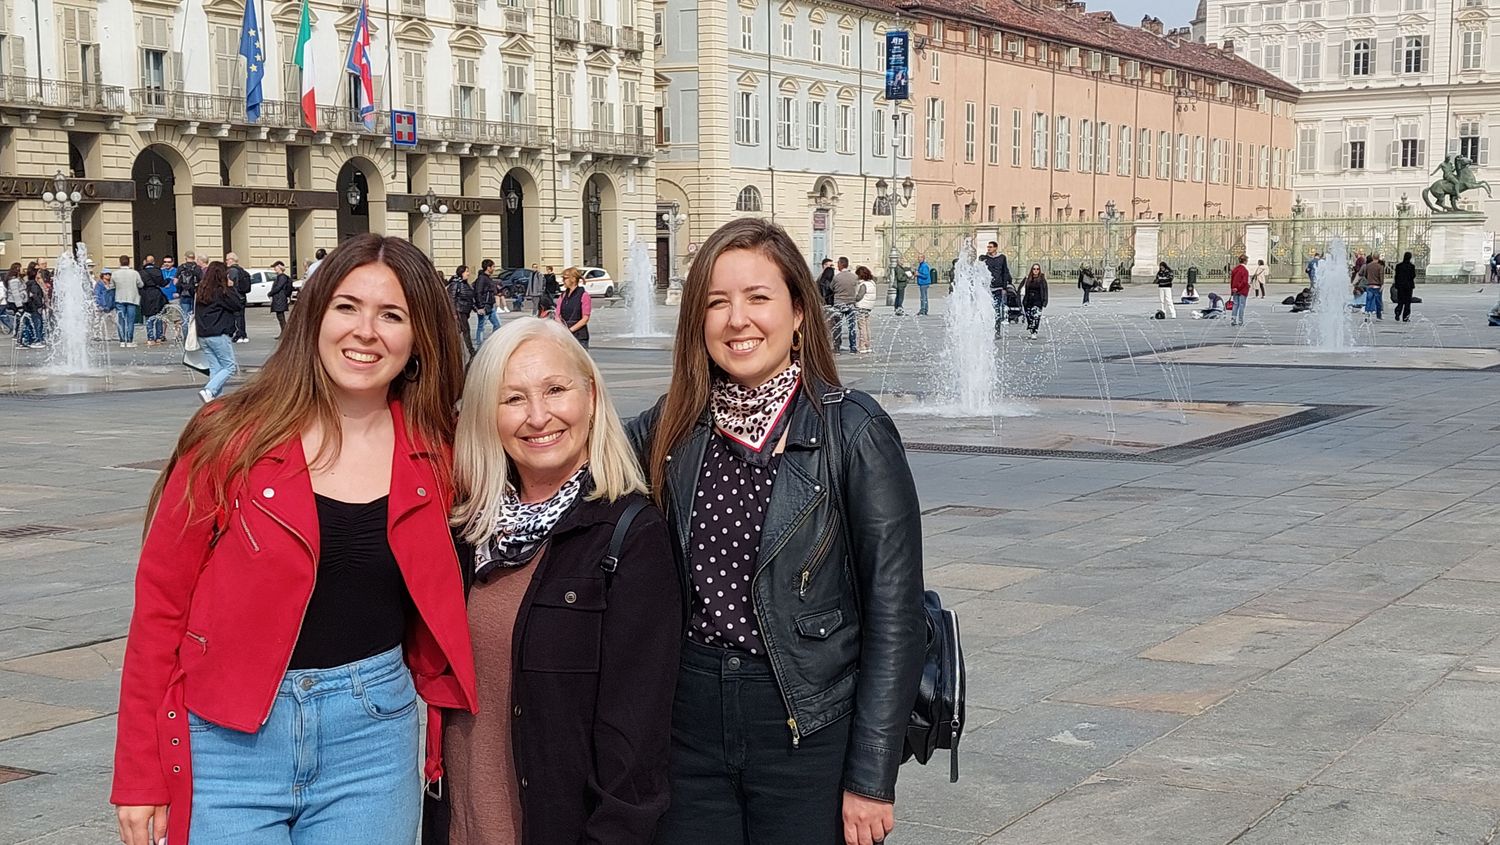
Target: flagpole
[[389, 71]]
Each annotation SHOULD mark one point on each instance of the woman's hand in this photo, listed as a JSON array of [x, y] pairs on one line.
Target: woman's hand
[[139, 824], [867, 821]]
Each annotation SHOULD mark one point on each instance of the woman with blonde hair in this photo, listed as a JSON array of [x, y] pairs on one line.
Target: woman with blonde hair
[[297, 589], [575, 609], [806, 618], [574, 306]]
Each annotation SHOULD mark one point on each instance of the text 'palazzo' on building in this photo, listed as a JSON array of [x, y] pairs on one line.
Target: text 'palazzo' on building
[[533, 126]]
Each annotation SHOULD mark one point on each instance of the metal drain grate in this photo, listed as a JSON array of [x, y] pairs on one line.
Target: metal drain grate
[[22, 531], [964, 510]]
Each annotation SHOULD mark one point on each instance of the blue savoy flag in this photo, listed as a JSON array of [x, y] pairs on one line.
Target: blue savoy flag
[[255, 61]]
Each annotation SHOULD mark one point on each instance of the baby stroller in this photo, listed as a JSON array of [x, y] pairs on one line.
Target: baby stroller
[[1012, 305]]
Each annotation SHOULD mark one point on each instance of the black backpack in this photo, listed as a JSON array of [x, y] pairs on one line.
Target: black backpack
[[937, 715]]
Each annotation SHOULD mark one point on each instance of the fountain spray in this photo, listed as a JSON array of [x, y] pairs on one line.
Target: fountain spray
[[969, 332], [640, 292]]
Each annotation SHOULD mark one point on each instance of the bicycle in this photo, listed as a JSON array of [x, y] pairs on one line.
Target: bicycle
[[171, 315]]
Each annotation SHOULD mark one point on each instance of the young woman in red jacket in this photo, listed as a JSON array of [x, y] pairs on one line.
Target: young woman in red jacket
[[297, 588]]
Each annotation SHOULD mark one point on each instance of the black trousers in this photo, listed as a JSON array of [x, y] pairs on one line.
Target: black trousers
[[1403, 305], [463, 329], [736, 779], [239, 319]]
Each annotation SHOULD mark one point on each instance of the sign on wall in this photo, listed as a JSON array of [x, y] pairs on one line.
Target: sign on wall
[[404, 129], [897, 71]]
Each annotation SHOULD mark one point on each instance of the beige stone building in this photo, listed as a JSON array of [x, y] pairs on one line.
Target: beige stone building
[[1048, 110], [532, 121]]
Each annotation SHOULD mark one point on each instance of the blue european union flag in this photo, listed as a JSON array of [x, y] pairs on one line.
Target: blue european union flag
[[251, 47]]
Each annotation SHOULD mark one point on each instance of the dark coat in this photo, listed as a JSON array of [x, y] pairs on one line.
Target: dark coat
[[153, 298], [461, 294], [281, 292], [1034, 292], [484, 293], [825, 285], [216, 317], [999, 266], [1164, 277], [840, 606], [188, 277], [593, 672], [1406, 279], [240, 278]]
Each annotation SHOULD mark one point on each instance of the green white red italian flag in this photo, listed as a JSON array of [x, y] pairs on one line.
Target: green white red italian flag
[[304, 60]]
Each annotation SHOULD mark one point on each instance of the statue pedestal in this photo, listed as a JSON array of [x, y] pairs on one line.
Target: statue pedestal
[[1147, 247], [1456, 248]]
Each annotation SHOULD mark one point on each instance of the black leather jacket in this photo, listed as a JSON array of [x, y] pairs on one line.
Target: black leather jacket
[[843, 628]]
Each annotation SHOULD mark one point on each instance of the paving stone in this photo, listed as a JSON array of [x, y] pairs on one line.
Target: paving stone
[[1484, 566], [978, 576], [1422, 630], [1067, 589], [1219, 764], [1091, 635], [1463, 771], [1173, 601], [1159, 686], [1244, 641], [992, 790], [18, 717], [1309, 721], [1457, 708], [1323, 815], [1384, 581], [1072, 734], [1361, 673], [1312, 605], [1122, 812], [1241, 574], [1008, 682], [77, 664]]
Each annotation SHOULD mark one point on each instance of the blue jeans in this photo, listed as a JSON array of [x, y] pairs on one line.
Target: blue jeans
[[156, 328], [336, 762], [1374, 304], [33, 327], [480, 319], [220, 353], [843, 315], [922, 289], [1239, 308], [125, 314], [186, 304]]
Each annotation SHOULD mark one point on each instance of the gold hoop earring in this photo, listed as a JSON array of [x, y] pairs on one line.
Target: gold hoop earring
[[796, 340]]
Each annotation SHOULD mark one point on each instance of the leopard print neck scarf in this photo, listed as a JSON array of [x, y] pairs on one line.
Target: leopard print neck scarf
[[522, 527], [749, 416]]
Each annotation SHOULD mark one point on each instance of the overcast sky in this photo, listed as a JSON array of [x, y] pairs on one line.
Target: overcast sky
[[1172, 12]]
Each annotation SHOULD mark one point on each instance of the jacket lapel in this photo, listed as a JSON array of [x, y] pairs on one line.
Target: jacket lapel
[[797, 490], [280, 486]]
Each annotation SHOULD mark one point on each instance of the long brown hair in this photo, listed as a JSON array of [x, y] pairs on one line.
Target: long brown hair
[[215, 282], [292, 391], [693, 370]]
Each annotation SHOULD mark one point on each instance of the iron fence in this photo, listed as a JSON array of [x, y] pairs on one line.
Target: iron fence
[[1060, 248], [1211, 245], [1295, 239]]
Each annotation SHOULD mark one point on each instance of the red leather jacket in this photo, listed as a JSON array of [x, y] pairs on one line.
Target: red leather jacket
[[215, 621], [1239, 280]]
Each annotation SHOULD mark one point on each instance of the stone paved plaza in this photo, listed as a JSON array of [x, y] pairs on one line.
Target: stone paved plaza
[[1289, 634]]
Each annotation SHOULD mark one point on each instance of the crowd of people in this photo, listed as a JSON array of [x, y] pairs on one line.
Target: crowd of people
[[575, 599]]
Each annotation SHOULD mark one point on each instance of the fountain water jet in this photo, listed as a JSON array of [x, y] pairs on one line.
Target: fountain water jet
[[640, 292], [1330, 321], [72, 312], [969, 332]]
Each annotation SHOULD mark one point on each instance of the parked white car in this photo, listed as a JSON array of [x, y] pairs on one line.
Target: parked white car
[[596, 282], [260, 287]]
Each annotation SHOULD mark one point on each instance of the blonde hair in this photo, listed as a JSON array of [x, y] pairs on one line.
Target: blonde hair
[[481, 469]]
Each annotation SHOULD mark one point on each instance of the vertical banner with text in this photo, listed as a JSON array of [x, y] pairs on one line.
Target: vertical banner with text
[[897, 71]]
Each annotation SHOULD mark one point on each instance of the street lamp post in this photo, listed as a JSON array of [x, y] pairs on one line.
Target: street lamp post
[[432, 209], [673, 220], [892, 196], [63, 199], [1111, 216]]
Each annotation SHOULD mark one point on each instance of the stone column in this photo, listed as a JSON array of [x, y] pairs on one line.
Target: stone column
[[1147, 250]]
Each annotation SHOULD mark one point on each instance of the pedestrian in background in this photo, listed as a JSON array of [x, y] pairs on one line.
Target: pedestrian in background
[[1312, 266], [188, 276], [104, 292], [153, 301], [863, 306], [218, 306], [1258, 278], [924, 281], [1239, 291], [1086, 282], [1164, 290], [281, 296], [575, 307], [485, 296], [297, 561], [845, 294], [127, 301], [461, 294], [1034, 298], [1373, 271], [240, 278], [1403, 288]]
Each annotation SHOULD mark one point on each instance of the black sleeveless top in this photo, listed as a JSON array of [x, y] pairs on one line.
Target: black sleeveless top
[[360, 602], [570, 308]]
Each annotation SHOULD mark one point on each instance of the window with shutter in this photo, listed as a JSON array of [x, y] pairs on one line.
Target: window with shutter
[[228, 66], [563, 93], [413, 80], [516, 99]]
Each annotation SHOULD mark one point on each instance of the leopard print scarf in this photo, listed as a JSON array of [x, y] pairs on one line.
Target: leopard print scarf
[[749, 416], [522, 527]]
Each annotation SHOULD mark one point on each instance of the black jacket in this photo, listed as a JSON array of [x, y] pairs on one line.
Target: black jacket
[[281, 292], [1406, 277], [461, 294], [153, 298], [188, 277], [593, 672], [1164, 278], [825, 285], [216, 317], [36, 298], [1000, 277], [1034, 292], [239, 277], [484, 294], [843, 627]]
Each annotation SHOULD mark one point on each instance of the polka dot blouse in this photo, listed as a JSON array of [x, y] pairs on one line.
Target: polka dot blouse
[[729, 509]]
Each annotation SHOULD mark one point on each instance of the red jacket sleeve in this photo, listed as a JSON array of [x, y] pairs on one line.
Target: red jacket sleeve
[[171, 559]]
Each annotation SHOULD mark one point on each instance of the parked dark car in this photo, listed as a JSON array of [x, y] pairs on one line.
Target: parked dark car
[[517, 281]]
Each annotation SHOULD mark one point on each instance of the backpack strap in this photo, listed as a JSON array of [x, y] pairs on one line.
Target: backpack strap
[[611, 560]]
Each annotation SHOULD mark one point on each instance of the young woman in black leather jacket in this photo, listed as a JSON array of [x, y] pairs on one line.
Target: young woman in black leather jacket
[[799, 544]]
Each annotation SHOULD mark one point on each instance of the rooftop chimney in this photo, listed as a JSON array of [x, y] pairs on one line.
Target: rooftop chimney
[[1151, 25]]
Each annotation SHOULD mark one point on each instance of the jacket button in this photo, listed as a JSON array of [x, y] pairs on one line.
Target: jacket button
[[818, 488], [524, 784], [570, 597], [822, 631], [669, 459], [421, 491], [813, 440], [269, 492], [171, 714], [176, 741], [176, 770], [517, 711]]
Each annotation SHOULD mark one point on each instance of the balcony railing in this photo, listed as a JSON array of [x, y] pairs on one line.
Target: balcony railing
[[599, 35], [466, 12], [632, 40], [612, 143], [58, 95], [414, 8], [186, 105], [566, 29], [514, 21], [474, 131]]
